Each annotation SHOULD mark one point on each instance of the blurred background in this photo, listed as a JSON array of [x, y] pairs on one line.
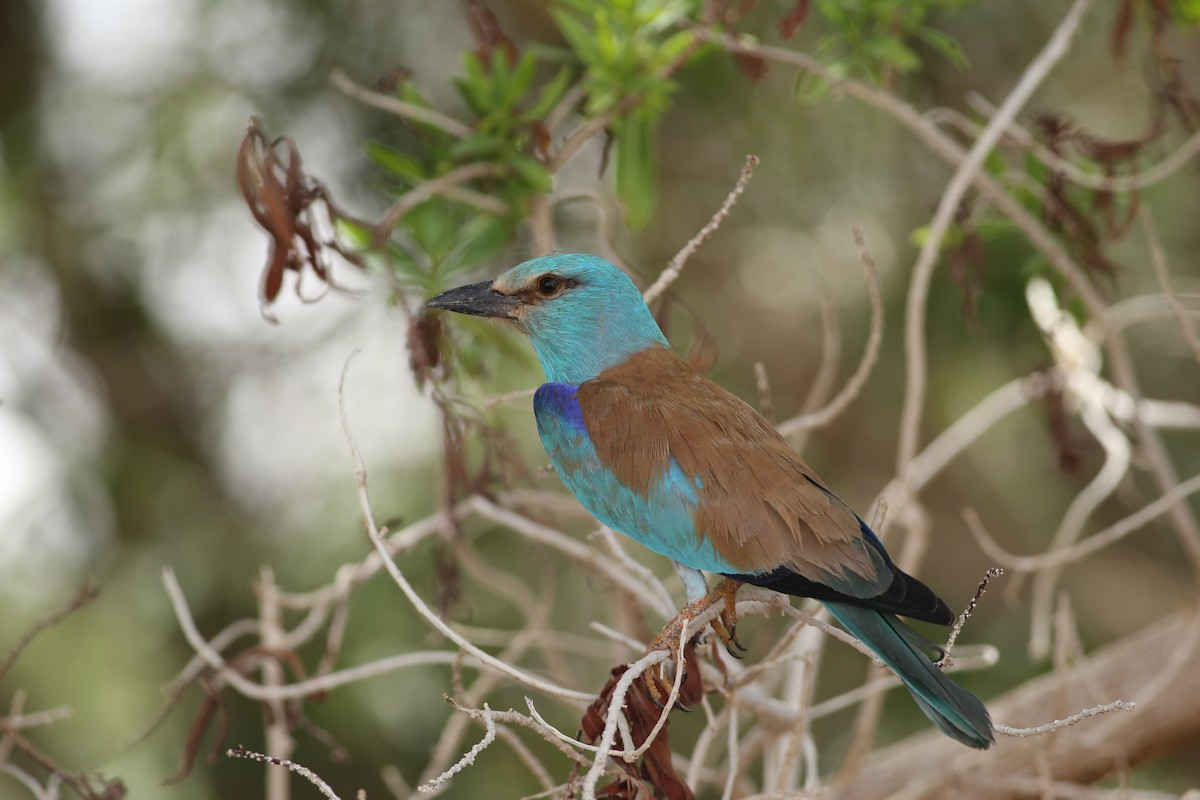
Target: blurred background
[[151, 416]]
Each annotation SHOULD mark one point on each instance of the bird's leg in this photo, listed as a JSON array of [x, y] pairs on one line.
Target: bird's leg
[[693, 581], [725, 626]]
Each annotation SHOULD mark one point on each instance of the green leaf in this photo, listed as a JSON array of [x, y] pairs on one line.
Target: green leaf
[[532, 171], [522, 80], [577, 36], [432, 228], [891, 50], [635, 169], [944, 44], [484, 238], [395, 162], [499, 78], [473, 94], [549, 96], [476, 146]]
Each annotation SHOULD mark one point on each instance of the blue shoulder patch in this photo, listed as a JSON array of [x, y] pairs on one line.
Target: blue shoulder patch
[[562, 401]]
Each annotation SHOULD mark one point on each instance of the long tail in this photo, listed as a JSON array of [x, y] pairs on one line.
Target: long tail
[[960, 714]]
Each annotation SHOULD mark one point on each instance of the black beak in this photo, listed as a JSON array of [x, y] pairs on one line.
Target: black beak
[[477, 299]]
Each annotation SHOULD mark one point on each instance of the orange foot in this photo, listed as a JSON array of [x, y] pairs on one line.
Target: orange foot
[[725, 626]]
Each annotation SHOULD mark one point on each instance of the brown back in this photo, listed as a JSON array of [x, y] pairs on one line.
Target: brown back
[[760, 505]]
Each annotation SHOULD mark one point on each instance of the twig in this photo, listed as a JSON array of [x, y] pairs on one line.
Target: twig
[[86, 594], [1165, 168], [1118, 705], [668, 275], [469, 758], [850, 391], [947, 660], [541, 226], [400, 108], [589, 129], [1186, 526], [1159, 260], [604, 220], [574, 550], [763, 384], [279, 740], [1079, 361], [734, 747], [615, 706], [639, 571], [671, 698], [508, 397], [424, 191], [822, 383], [922, 275], [570, 100], [515, 718], [1092, 544], [360, 477], [37, 719], [299, 769]]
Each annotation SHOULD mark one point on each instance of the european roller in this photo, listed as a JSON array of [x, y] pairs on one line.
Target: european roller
[[659, 453]]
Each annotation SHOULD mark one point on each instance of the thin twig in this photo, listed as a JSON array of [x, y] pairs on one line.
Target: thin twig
[[400, 108], [668, 275], [922, 275], [278, 735], [1118, 705], [299, 769], [1165, 168], [1092, 544], [615, 706], [763, 384], [850, 391], [822, 383], [424, 191], [360, 477], [1159, 260], [86, 594], [468, 759], [947, 660]]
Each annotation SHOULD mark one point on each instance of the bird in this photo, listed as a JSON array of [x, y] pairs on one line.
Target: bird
[[666, 457]]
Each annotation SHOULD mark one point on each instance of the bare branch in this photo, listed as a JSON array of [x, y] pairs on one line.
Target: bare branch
[[1117, 705], [1165, 168], [400, 108], [467, 760], [947, 660], [1092, 544], [1159, 261], [914, 337], [299, 769], [433, 619], [85, 595], [431, 188], [858, 380], [668, 275]]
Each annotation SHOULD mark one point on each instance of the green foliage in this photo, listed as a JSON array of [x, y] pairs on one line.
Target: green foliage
[[875, 39], [628, 50]]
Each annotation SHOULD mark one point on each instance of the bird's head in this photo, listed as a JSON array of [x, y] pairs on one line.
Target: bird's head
[[582, 314]]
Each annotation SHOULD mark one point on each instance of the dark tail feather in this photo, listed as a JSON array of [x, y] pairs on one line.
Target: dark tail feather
[[960, 714]]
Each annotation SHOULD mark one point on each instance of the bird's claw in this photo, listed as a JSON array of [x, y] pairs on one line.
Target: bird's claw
[[655, 684], [668, 639]]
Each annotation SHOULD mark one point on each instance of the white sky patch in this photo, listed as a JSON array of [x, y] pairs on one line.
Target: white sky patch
[[133, 43]]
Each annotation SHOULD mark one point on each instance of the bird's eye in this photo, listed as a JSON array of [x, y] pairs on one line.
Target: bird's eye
[[548, 285]]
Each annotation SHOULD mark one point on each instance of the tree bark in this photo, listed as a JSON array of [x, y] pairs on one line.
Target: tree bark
[[1156, 668]]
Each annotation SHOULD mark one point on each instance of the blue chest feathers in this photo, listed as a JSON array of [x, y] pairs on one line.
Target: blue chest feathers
[[660, 519]]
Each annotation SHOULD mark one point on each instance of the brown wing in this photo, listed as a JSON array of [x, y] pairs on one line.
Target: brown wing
[[760, 505]]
